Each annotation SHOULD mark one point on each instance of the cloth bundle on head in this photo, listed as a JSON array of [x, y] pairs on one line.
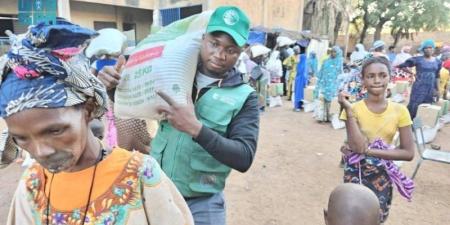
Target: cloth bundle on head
[[259, 50], [45, 68]]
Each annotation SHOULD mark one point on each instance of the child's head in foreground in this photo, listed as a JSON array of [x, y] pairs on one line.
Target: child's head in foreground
[[352, 204]]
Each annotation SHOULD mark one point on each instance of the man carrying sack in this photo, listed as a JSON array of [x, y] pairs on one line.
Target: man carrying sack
[[199, 143]]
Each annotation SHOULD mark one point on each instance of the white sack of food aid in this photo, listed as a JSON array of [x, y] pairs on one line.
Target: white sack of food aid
[[165, 61]]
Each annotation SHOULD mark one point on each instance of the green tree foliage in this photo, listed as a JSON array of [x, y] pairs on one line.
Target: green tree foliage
[[402, 16], [420, 15]]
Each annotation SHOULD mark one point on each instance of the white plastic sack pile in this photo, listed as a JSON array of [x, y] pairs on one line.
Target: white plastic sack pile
[[336, 122], [110, 41], [309, 106], [167, 61], [275, 101]]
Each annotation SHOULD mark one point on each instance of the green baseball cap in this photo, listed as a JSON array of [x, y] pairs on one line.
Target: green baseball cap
[[231, 20]]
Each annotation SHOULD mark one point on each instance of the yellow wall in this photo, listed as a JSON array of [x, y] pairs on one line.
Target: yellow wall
[[8, 7], [268, 13], [253, 8], [285, 14], [143, 4], [85, 14], [165, 4]]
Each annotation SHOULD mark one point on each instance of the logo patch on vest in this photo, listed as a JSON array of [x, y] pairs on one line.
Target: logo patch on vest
[[208, 179], [224, 99]]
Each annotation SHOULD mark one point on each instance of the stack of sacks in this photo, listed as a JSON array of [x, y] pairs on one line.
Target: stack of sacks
[[401, 87], [429, 114], [444, 104], [309, 103], [309, 93], [335, 108]]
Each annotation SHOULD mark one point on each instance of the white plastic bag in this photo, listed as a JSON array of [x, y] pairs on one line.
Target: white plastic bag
[[319, 110], [110, 41], [309, 106], [275, 101], [166, 61], [336, 122]]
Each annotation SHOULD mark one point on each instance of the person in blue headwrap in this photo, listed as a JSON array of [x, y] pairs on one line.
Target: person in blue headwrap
[[426, 85], [313, 65], [48, 97], [327, 84], [301, 81]]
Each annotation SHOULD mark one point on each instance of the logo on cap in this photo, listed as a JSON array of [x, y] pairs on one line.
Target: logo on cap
[[230, 17]]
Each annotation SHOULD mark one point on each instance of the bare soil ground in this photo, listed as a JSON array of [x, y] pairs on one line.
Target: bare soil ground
[[295, 169]]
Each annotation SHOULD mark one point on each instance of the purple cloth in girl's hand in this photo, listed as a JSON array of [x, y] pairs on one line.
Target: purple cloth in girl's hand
[[404, 184]]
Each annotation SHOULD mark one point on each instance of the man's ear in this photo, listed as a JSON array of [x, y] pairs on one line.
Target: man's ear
[[89, 108], [325, 216]]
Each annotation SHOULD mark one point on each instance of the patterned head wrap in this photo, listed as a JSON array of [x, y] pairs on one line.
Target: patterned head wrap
[[45, 68]]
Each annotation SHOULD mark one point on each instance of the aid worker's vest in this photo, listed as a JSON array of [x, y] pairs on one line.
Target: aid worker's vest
[[193, 170]]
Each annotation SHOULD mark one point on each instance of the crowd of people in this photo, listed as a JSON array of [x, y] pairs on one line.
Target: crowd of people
[[54, 100]]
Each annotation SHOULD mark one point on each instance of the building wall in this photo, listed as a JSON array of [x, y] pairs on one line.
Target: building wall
[[166, 4], [142, 4], [285, 14], [253, 8], [8, 7], [85, 14]]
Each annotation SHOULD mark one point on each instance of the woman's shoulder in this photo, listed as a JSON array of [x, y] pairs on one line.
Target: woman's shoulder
[[147, 168]]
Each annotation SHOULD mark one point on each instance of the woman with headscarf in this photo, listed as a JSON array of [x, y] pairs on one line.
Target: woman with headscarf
[[426, 84], [402, 56], [327, 80], [291, 65], [358, 55], [313, 65], [275, 68], [259, 75], [402, 74], [48, 97], [301, 81]]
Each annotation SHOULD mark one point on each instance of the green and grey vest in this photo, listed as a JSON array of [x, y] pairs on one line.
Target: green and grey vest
[[193, 170]]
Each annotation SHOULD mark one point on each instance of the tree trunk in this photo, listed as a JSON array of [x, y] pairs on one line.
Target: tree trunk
[[337, 27], [396, 37], [363, 32], [378, 29], [366, 24]]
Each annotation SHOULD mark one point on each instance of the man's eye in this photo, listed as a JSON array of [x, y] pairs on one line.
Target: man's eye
[[56, 131], [231, 51], [18, 139]]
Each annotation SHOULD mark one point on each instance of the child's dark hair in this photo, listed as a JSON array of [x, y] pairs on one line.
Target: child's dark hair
[[372, 60]]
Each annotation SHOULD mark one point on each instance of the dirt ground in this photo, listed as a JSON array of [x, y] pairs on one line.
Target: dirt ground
[[295, 169]]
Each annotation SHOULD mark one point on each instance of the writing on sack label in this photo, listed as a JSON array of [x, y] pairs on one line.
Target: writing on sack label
[[144, 55]]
